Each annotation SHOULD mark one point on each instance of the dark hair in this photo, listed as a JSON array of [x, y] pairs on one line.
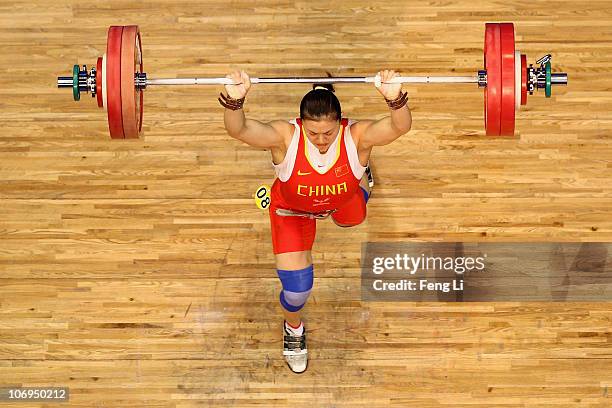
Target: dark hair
[[320, 103]]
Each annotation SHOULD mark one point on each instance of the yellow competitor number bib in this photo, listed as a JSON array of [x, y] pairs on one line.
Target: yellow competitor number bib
[[262, 197]]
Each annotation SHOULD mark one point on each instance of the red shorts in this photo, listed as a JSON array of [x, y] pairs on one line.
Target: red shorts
[[293, 233]]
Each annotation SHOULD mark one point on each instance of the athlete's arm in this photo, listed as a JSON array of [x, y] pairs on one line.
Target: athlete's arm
[[252, 132], [255, 133], [386, 130]]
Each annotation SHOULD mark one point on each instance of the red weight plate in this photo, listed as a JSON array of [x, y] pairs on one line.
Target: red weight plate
[[140, 93], [113, 81], [129, 96], [508, 105], [523, 79], [99, 82], [493, 90]]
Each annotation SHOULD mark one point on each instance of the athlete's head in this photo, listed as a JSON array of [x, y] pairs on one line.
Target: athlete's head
[[320, 113]]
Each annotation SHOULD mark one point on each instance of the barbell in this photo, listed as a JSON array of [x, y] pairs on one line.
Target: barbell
[[117, 81]]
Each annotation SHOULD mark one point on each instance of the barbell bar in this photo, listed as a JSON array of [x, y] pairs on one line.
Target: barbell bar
[[118, 82], [322, 80]]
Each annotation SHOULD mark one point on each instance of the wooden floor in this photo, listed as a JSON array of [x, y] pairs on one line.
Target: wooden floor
[[140, 273]]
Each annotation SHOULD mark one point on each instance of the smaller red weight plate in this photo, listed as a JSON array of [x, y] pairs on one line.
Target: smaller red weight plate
[[99, 82], [523, 79], [517, 80]]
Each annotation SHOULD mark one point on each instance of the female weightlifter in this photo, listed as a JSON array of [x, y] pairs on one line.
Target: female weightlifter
[[321, 164]]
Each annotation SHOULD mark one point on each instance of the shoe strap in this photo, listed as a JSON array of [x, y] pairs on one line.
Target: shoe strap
[[294, 342]]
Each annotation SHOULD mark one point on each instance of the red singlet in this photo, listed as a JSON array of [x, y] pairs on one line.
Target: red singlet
[[308, 191]]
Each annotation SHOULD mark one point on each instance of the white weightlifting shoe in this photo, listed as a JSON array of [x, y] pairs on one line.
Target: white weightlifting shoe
[[295, 351]]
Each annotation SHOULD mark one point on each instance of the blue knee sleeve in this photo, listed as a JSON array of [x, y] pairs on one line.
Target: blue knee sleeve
[[365, 194], [296, 287]]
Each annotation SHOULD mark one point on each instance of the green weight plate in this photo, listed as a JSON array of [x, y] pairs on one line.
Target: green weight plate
[[76, 94], [548, 80]]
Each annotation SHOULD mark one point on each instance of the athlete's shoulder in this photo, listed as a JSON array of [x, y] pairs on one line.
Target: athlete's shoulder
[[357, 129], [283, 128], [281, 124], [358, 126]]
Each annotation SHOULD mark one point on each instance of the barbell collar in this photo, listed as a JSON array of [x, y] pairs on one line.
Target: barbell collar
[[86, 80]]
